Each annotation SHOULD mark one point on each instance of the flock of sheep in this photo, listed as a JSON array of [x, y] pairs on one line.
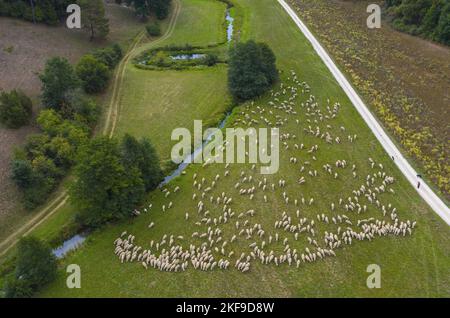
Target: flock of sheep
[[281, 224]]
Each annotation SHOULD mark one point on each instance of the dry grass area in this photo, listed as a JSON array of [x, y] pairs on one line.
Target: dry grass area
[[403, 78], [24, 50]]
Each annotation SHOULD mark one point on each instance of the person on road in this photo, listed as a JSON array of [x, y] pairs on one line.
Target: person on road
[[418, 185]]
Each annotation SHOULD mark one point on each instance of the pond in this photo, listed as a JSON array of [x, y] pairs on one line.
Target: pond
[[193, 56], [69, 245]]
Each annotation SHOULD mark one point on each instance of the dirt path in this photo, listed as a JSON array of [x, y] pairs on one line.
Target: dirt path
[[408, 171], [108, 130]]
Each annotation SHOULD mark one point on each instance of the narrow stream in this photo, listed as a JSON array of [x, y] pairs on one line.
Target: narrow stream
[[68, 246], [189, 159], [230, 27]]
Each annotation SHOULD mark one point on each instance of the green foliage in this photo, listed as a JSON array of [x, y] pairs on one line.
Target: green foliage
[[38, 167], [93, 73], [144, 8], [428, 18], [15, 109], [105, 190], [35, 267], [93, 18], [112, 178], [18, 288], [211, 59], [58, 79], [252, 70], [110, 56], [142, 155], [85, 109], [153, 29], [45, 11], [22, 173]]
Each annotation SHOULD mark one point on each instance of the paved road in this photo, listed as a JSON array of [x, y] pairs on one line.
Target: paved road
[[411, 175]]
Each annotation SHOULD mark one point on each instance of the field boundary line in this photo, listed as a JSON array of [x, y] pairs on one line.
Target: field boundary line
[[408, 171]]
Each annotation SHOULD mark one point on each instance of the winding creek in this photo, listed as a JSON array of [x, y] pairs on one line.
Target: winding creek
[[76, 241], [69, 245], [230, 25]]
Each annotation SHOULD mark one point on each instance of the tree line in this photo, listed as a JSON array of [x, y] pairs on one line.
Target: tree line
[[66, 121], [53, 12], [427, 18], [50, 12], [145, 8]]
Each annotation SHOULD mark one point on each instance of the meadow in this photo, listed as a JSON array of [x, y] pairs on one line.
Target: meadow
[[412, 265]]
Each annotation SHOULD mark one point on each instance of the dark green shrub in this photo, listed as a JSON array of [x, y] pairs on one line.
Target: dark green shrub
[[153, 29], [58, 79], [210, 59], [252, 70], [35, 267], [15, 109], [93, 73]]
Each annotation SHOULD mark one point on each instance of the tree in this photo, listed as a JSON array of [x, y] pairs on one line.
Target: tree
[[85, 109], [110, 55], [160, 8], [94, 74], [18, 288], [153, 29], [58, 80], [428, 18], [252, 70], [15, 109], [443, 27], [104, 190], [144, 8], [22, 173], [93, 18], [35, 267], [142, 155]]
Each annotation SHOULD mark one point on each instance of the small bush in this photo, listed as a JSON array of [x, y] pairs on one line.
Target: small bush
[[15, 109], [35, 267], [110, 56], [153, 29], [211, 59], [93, 73]]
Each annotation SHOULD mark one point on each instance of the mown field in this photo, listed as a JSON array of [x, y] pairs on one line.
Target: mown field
[[415, 265], [404, 79], [24, 50]]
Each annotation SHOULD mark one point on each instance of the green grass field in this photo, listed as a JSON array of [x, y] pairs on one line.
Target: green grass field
[[153, 103], [413, 266]]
